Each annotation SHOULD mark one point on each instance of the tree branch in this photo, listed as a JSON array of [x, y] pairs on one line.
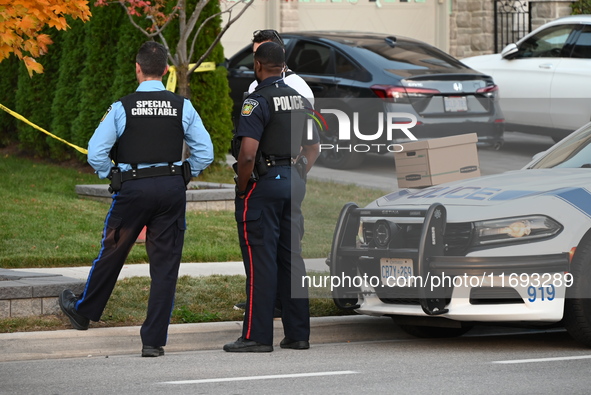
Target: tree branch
[[141, 29], [186, 32], [229, 11], [219, 36], [157, 30]]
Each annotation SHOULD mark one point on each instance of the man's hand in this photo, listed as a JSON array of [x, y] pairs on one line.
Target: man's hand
[[240, 193], [311, 152], [245, 164]]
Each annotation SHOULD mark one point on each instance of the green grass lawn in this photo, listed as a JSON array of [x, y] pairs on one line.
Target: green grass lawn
[[45, 224], [198, 299]]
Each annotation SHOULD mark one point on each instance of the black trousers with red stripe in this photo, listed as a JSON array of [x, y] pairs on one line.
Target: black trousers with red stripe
[[270, 228], [159, 203]]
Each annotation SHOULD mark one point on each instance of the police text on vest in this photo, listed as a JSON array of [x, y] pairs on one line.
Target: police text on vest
[[286, 103]]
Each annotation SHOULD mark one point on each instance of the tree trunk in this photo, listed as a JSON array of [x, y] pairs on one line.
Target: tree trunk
[[184, 90], [183, 87]]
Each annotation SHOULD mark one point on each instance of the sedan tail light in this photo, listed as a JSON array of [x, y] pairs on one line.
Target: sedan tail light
[[401, 94], [490, 91]]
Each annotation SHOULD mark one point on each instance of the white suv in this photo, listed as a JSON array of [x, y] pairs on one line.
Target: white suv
[[545, 78]]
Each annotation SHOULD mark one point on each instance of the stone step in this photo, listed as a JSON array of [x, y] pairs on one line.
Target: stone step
[[201, 196], [25, 294]]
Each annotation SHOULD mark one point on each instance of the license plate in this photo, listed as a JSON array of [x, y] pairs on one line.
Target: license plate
[[396, 272], [455, 104]]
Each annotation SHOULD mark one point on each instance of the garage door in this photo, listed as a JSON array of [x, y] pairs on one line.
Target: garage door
[[416, 19]]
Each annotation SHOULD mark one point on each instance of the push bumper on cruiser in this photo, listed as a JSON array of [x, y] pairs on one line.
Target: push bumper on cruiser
[[348, 258]]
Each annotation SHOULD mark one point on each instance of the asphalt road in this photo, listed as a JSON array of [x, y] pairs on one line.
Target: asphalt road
[[485, 361], [379, 171]]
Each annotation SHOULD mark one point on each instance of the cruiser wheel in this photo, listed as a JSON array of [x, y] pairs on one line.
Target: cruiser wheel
[[577, 306]]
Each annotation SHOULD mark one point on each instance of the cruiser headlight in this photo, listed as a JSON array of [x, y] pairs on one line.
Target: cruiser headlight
[[365, 233], [516, 229], [361, 237]]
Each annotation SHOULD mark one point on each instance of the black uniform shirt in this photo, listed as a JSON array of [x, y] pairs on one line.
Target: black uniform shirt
[[255, 114]]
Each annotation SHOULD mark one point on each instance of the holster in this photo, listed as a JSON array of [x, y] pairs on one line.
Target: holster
[[260, 166], [235, 146], [301, 166], [187, 172]]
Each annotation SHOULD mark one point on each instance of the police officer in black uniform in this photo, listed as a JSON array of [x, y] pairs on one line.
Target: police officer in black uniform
[[276, 151], [143, 135]]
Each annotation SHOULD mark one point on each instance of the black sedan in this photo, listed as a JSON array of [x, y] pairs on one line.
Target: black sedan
[[384, 89]]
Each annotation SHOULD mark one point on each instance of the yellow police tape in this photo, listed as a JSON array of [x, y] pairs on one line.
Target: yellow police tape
[[170, 85], [20, 117], [171, 82]]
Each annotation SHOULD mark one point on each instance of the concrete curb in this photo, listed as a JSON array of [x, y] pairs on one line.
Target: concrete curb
[[103, 342]]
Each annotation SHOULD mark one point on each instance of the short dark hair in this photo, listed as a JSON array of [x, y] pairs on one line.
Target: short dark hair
[[152, 58], [270, 54], [260, 36]]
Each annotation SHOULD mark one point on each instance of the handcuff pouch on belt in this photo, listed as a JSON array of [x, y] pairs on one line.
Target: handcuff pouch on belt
[[116, 180]]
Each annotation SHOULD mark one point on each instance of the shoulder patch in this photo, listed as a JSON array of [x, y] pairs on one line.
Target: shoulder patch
[[106, 113], [248, 106]]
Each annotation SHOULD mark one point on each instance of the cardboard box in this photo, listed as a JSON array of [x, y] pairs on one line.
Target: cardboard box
[[431, 162]]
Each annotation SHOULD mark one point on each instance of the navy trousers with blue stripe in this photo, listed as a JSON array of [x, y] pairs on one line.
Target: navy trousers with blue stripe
[[270, 228], [159, 203]]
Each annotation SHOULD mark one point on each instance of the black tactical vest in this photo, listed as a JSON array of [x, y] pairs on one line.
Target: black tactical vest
[[154, 129], [282, 137]]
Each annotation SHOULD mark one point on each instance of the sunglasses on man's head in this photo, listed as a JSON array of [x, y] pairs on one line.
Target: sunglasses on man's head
[[267, 33]]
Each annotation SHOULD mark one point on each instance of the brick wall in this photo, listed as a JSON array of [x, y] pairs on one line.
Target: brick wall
[[472, 23]]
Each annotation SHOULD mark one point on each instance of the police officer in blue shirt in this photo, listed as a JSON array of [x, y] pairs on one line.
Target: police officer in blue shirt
[[143, 135], [276, 151]]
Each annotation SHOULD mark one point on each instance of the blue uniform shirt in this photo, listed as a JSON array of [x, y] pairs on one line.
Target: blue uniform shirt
[[113, 124]]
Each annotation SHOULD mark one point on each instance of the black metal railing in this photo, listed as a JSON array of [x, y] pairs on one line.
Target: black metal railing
[[512, 21]]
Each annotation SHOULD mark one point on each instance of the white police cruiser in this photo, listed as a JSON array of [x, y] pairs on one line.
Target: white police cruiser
[[512, 248]]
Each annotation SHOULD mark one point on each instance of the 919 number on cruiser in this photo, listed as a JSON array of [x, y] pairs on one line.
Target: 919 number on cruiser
[[541, 293]]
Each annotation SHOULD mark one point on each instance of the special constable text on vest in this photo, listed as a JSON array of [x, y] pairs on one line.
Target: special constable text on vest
[[153, 107]]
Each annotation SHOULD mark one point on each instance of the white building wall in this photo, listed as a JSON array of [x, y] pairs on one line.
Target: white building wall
[[425, 20]]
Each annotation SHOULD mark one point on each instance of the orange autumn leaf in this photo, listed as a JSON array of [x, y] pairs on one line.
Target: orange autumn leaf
[[28, 23], [43, 41], [32, 65], [21, 23]]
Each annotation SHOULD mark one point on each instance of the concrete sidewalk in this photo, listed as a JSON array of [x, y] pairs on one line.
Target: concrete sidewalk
[[190, 269], [30, 292], [182, 337], [103, 342]]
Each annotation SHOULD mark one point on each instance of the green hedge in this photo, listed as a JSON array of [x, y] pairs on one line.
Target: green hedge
[[64, 107], [97, 71], [581, 7], [210, 90], [88, 67], [9, 67], [33, 101]]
